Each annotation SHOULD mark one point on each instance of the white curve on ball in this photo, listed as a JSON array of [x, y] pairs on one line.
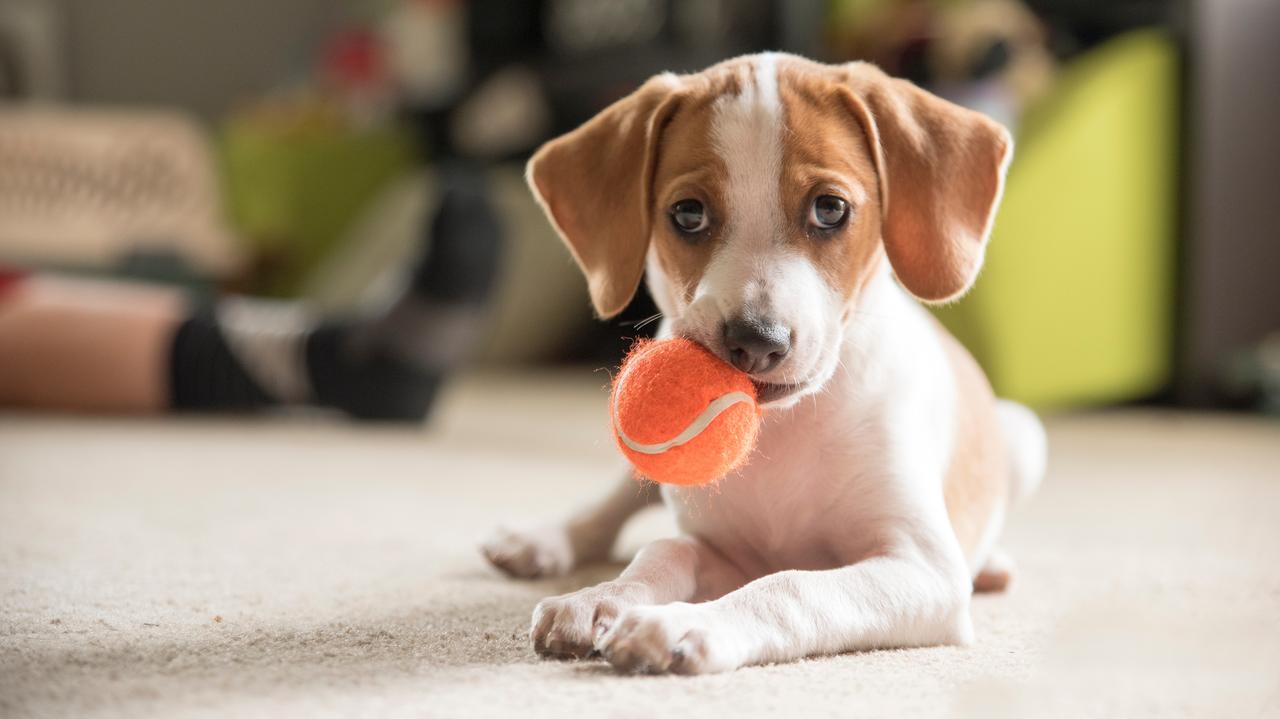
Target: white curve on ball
[[694, 428]]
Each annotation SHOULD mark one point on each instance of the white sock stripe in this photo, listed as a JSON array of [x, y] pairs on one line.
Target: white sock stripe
[[708, 415], [269, 340]]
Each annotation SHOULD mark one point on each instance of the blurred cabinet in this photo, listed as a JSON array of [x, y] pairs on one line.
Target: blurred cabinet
[[1232, 260]]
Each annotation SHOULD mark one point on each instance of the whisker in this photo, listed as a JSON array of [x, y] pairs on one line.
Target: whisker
[[647, 321]]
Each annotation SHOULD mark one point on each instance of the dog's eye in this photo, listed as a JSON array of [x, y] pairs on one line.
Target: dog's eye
[[829, 212], [689, 216]]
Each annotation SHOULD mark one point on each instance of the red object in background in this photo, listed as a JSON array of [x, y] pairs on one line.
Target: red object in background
[[10, 278], [354, 59]]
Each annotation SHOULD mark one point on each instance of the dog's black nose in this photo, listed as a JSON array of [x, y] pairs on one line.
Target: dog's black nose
[[755, 344]]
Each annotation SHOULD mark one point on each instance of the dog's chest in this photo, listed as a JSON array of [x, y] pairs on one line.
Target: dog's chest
[[797, 503]]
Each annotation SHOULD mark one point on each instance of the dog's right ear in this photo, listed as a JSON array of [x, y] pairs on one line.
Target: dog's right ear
[[596, 186]]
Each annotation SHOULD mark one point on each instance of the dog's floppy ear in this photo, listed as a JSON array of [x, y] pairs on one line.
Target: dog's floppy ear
[[941, 170], [595, 184]]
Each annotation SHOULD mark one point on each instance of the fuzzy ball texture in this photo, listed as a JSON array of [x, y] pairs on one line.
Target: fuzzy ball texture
[[662, 390]]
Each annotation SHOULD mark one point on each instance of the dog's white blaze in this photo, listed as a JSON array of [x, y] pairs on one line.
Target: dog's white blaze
[[746, 132], [704, 419]]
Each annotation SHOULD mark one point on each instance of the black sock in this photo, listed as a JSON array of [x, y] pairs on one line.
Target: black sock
[[205, 375], [249, 354]]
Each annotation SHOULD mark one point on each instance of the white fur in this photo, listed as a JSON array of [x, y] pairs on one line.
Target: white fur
[[848, 481], [835, 535]]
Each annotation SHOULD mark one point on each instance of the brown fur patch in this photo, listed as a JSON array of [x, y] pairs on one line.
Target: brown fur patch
[[689, 168], [941, 170], [992, 580], [826, 152], [977, 483]]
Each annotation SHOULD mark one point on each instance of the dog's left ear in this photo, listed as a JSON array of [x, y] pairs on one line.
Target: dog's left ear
[[941, 170]]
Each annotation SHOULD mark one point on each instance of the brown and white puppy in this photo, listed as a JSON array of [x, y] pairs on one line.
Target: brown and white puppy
[[786, 212]]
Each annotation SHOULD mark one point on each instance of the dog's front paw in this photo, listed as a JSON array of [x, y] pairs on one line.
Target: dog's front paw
[[566, 627], [675, 638], [531, 553]]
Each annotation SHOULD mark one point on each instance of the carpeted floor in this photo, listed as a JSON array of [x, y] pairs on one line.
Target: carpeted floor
[[304, 567]]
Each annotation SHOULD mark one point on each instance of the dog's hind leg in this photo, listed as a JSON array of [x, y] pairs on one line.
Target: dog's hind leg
[[996, 572], [587, 536], [1028, 449]]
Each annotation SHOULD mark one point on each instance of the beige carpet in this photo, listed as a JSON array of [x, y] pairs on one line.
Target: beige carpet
[[303, 567]]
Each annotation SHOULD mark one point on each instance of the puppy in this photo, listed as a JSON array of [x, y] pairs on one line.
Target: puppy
[[785, 213]]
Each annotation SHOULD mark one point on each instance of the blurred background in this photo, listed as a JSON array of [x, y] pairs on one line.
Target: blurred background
[[293, 149]]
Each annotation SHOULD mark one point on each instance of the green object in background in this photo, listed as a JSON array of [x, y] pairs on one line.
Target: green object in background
[[1076, 303], [294, 188]]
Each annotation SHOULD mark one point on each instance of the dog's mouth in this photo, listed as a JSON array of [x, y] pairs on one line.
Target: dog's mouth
[[770, 392]]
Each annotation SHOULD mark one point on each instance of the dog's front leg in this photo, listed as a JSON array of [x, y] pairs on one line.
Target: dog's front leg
[[914, 593], [668, 570], [557, 548]]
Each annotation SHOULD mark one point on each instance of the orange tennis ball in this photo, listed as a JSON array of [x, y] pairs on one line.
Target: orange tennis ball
[[681, 414]]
